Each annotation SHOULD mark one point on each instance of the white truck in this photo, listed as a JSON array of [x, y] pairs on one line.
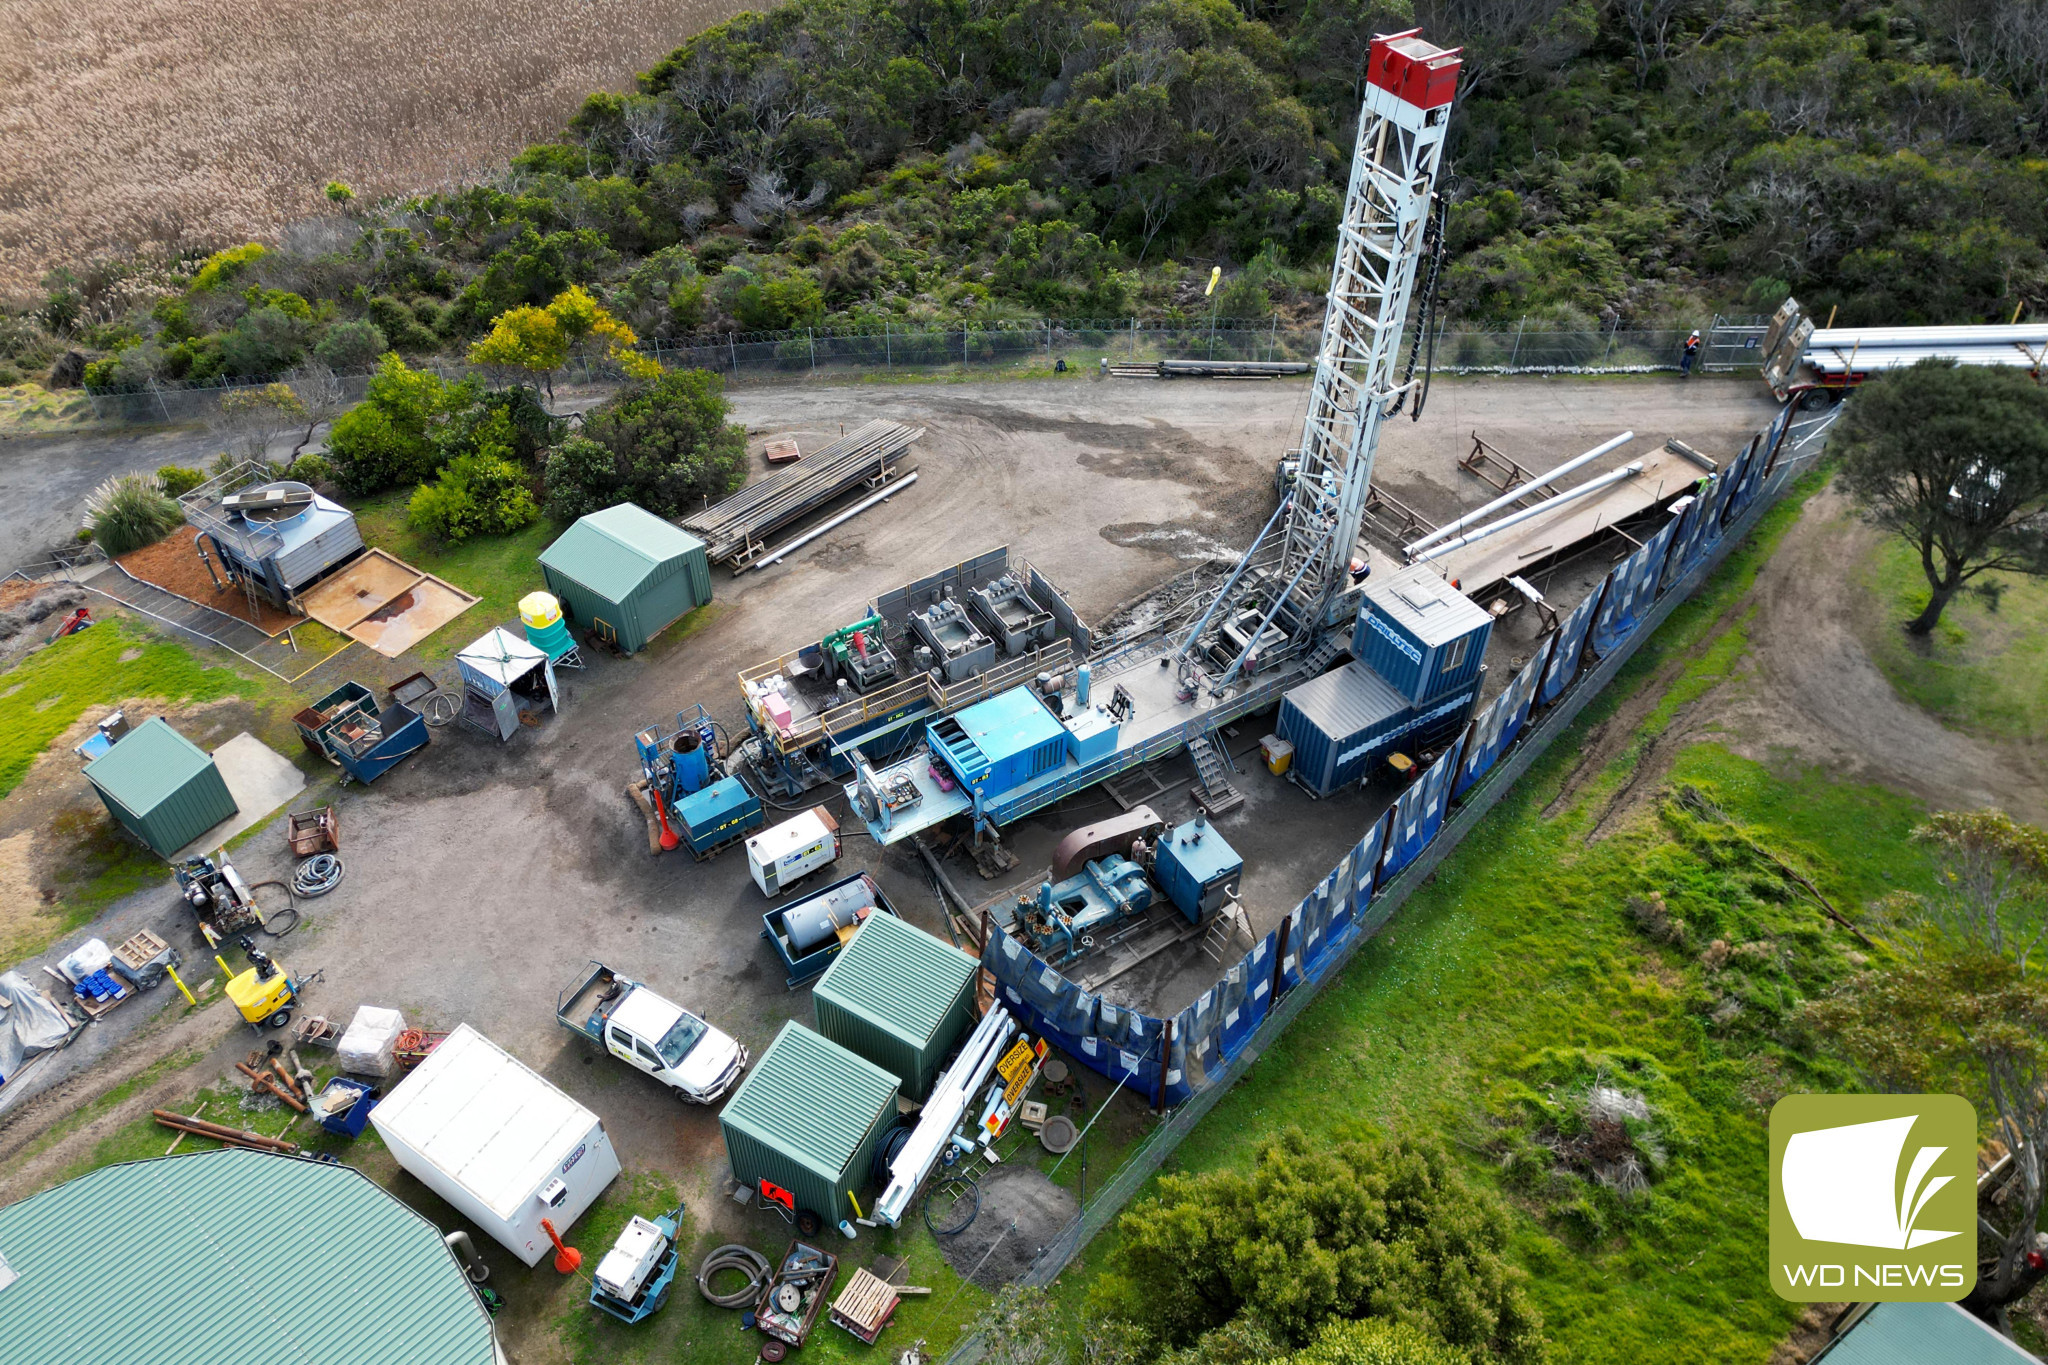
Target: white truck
[[652, 1034]]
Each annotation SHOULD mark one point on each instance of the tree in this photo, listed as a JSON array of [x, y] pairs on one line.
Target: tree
[[1374, 1341], [1966, 1010], [390, 437], [248, 420], [353, 345], [536, 342], [1345, 1228], [1954, 460], [320, 394], [664, 445]]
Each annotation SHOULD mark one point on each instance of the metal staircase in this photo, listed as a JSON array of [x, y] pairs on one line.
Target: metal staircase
[[1212, 777]]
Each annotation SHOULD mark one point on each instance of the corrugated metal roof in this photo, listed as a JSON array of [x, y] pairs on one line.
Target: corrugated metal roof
[[232, 1256], [1008, 723], [1426, 604], [614, 551], [1916, 1333], [494, 1124], [147, 765], [810, 1098], [897, 975], [1347, 700]]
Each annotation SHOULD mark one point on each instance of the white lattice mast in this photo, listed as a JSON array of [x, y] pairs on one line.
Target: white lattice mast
[[1409, 88]]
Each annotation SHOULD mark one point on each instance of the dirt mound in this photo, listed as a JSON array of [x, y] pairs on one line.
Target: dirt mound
[[1021, 1213]]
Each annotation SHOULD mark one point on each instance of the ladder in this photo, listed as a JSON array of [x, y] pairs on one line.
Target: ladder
[[1223, 932], [1212, 777]]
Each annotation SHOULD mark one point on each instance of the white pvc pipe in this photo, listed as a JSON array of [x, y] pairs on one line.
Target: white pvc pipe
[[1628, 471], [1517, 494], [848, 515], [942, 1113]]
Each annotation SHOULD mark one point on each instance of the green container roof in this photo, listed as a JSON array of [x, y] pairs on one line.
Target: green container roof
[[897, 976], [147, 766], [615, 551], [208, 1255], [1915, 1333], [811, 1100]]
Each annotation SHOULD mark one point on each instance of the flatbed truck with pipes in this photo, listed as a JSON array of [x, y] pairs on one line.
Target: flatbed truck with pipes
[[651, 1033]]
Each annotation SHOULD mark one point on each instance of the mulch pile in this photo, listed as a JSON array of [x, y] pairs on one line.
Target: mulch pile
[[173, 564]]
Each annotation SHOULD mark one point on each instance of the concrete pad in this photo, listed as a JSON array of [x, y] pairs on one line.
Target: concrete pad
[[261, 780], [386, 603]]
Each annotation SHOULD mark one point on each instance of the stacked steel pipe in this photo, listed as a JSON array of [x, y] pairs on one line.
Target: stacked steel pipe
[[733, 531]]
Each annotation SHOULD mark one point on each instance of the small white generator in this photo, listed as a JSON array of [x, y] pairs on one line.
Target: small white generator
[[781, 856]]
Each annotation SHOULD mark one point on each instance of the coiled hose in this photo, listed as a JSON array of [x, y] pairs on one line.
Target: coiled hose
[[746, 1261], [317, 875], [271, 921]]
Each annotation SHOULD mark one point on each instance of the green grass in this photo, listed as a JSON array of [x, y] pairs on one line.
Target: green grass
[[1984, 670], [497, 569], [42, 695], [1519, 965]]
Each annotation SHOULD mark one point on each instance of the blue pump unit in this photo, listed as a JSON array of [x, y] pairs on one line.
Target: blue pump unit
[[679, 762], [723, 813], [1197, 870], [1061, 922]]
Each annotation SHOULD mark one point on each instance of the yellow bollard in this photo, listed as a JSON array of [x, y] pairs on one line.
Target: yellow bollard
[[856, 1205], [172, 972]]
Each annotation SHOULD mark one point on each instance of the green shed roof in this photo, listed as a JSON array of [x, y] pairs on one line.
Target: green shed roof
[[206, 1255], [148, 765], [898, 976], [1916, 1333], [811, 1099], [614, 551]]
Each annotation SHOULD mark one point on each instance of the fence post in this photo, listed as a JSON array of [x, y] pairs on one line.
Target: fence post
[[888, 354], [1518, 340], [963, 345], [811, 335], [1613, 331], [1134, 338], [1048, 341], [1273, 342], [733, 348]]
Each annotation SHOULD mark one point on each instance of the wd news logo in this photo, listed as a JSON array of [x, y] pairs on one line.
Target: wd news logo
[[1873, 1198]]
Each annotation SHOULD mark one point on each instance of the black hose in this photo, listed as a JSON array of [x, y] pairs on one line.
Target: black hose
[[292, 909], [969, 1187], [318, 875], [746, 1261]]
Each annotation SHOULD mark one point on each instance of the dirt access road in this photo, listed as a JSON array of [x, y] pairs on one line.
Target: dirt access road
[[482, 876]]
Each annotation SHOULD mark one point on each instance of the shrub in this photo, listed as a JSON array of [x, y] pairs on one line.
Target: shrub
[[390, 438], [352, 345], [312, 469], [101, 374], [267, 341], [1375, 1341], [478, 494], [581, 477], [671, 445], [1323, 1229], [177, 480], [130, 512]]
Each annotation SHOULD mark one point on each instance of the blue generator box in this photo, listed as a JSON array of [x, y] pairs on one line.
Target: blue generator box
[[1197, 869], [714, 817], [998, 745]]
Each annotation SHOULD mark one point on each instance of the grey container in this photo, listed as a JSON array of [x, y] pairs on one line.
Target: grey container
[[808, 1119], [898, 997], [1340, 724], [1420, 633]]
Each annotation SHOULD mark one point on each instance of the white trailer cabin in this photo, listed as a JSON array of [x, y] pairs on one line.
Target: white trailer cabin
[[499, 1141]]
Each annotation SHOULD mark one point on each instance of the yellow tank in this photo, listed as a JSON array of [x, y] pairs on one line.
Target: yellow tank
[[258, 1000], [539, 610]]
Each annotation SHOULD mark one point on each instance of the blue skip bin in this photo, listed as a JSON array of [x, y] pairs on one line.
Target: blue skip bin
[[344, 1106]]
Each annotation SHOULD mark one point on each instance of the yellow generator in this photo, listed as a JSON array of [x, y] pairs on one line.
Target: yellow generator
[[265, 992]]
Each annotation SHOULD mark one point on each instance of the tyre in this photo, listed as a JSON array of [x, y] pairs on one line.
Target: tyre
[[809, 1221], [278, 1020]]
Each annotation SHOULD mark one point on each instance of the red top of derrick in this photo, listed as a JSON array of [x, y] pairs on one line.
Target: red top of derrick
[[1419, 73]]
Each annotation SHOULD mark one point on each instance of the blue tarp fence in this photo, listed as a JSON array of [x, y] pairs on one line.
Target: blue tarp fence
[[1179, 1060]]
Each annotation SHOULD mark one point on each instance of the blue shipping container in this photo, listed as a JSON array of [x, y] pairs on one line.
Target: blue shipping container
[[1339, 724], [1424, 636], [996, 745]]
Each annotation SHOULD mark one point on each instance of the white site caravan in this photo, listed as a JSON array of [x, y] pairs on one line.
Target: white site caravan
[[498, 1141]]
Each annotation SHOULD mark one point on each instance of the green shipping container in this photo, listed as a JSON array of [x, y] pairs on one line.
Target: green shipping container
[[808, 1118], [898, 997], [624, 575], [162, 786]]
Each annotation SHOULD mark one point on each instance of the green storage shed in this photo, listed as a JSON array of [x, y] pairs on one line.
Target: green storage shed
[[162, 786], [898, 997], [202, 1259], [624, 574], [808, 1119]]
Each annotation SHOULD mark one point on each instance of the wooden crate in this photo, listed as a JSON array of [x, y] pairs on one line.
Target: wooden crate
[[865, 1305], [139, 951]]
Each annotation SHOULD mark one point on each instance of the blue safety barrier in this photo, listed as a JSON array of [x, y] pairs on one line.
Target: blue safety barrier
[[1495, 728], [1419, 813], [1569, 647], [1631, 591]]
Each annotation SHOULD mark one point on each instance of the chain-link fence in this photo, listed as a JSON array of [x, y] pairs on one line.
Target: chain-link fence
[[1523, 346]]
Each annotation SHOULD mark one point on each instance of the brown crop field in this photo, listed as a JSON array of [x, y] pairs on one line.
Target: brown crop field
[[194, 123]]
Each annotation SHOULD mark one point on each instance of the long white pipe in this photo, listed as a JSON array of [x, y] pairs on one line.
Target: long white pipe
[[848, 515], [1517, 494], [1627, 471], [942, 1113]]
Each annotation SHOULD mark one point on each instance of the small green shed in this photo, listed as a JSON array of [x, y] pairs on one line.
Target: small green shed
[[898, 997], [162, 786], [808, 1119], [624, 574]]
